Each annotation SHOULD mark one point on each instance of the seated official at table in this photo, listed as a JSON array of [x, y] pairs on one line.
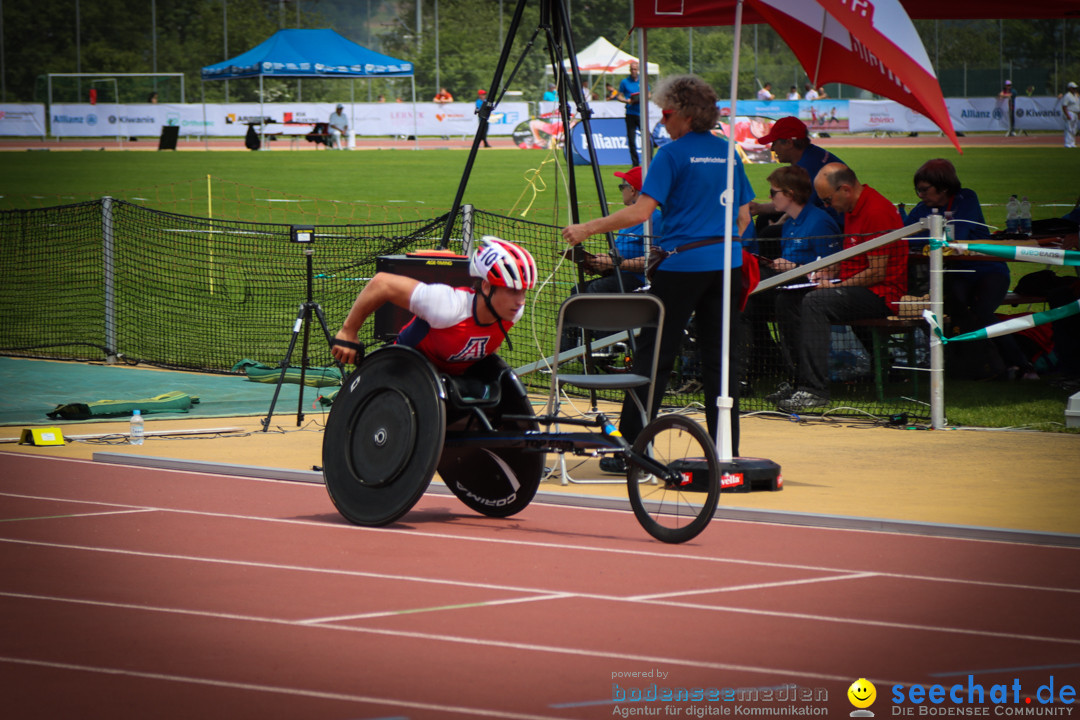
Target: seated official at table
[[973, 288], [810, 233], [339, 127]]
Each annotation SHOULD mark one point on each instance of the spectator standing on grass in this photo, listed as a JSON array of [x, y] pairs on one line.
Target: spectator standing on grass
[[1008, 96], [765, 93], [1070, 110], [810, 93], [443, 97], [550, 95], [864, 286], [793, 93], [481, 98], [630, 93], [338, 126], [686, 178]]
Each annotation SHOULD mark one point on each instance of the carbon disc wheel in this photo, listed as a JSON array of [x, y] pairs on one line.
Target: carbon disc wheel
[[673, 513], [496, 482], [384, 436]]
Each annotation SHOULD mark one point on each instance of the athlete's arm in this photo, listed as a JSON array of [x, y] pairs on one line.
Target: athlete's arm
[[381, 289]]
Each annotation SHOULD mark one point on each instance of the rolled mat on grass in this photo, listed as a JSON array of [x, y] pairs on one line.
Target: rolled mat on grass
[[170, 402], [313, 376]]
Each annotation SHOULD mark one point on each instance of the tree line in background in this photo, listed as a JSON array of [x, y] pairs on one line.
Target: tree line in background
[[147, 36]]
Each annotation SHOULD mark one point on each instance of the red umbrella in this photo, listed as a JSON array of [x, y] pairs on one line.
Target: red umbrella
[[870, 44]]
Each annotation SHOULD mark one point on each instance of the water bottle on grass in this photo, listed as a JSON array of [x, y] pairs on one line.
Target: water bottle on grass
[[1025, 216], [137, 429], [1012, 215]]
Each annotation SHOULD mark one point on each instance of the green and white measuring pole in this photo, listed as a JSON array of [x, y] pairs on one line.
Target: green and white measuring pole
[[1024, 253], [1006, 327]]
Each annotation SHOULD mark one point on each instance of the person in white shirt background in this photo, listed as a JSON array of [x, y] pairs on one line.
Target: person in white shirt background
[[1070, 110], [765, 93]]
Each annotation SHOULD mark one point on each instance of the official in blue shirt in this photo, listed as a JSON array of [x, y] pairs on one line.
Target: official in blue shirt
[[629, 93], [973, 288], [630, 244], [809, 233], [688, 178]]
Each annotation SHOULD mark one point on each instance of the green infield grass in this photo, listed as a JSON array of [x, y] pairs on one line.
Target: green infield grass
[[393, 185]]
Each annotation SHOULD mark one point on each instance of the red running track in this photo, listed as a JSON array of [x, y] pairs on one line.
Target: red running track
[[139, 593]]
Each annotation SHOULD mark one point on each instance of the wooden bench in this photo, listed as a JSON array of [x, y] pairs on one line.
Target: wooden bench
[[882, 332], [1014, 299]]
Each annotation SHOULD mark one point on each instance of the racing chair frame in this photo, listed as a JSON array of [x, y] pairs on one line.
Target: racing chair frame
[[606, 312]]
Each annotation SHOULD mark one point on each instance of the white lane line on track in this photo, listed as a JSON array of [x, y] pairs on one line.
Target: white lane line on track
[[670, 555], [436, 608], [755, 586], [131, 511], [297, 692], [606, 598], [454, 639]]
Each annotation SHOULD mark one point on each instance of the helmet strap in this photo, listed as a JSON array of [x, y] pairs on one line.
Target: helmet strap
[[498, 318]]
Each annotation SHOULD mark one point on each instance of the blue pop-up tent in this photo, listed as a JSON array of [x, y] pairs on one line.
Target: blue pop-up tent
[[317, 53]]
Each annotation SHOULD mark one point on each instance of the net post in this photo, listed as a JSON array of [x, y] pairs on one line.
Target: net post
[[109, 260], [467, 225], [937, 307]]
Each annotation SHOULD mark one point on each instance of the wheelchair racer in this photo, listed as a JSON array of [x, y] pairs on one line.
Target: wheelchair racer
[[451, 327]]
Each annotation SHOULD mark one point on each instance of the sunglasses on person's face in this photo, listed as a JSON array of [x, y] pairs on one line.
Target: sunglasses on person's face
[[773, 192], [666, 114], [626, 186], [828, 200]]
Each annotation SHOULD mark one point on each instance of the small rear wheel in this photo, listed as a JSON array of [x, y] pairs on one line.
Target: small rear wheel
[[675, 512]]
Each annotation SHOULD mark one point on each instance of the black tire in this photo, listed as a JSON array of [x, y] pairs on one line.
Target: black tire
[[503, 481], [384, 436], [675, 514]]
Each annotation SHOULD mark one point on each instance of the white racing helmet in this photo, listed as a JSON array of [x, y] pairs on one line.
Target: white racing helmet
[[503, 264]]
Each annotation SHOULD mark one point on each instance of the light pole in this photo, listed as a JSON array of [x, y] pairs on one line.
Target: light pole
[[438, 84], [225, 22]]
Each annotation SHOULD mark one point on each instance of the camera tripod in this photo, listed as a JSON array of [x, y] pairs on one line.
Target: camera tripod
[[303, 321]]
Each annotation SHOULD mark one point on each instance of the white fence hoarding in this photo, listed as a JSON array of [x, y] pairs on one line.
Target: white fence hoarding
[[1033, 114], [22, 120]]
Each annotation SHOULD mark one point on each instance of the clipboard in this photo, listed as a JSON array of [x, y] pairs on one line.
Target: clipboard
[[578, 254]]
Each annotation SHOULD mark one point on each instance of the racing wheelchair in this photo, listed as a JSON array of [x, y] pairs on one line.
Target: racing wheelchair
[[397, 420]]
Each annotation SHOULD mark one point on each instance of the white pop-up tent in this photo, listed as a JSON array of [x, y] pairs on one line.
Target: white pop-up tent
[[604, 58]]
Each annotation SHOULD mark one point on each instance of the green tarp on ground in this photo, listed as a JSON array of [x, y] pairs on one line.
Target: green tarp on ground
[[33, 388]]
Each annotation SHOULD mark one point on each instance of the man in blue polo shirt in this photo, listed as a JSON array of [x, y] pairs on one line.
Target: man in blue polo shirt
[[791, 144], [629, 93]]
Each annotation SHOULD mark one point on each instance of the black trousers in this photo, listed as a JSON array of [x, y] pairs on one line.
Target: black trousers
[[684, 294], [806, 320], [633, 125]]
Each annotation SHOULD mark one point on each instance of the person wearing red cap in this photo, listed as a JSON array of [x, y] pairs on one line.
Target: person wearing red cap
[[481, 98], [791, 144], [629, 242]]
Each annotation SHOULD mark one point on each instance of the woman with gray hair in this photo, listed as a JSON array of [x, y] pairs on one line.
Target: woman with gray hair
[[686, 179]]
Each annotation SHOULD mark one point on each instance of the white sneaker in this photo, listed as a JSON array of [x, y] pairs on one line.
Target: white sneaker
[[802, 400]]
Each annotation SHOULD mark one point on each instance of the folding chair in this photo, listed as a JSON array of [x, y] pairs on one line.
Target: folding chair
[[607, 313]]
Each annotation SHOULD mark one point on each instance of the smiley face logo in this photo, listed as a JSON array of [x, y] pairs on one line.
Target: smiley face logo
[[862, 693]]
